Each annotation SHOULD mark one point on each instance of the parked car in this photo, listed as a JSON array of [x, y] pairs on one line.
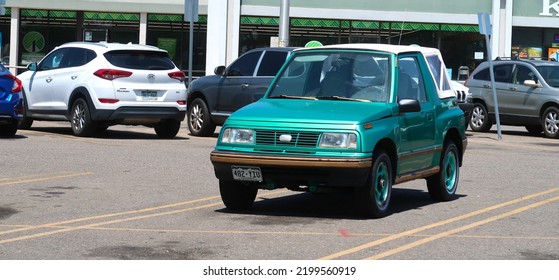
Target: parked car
[[527, 95], [96, 85], [211, 99], [10, 103], [360, 117]]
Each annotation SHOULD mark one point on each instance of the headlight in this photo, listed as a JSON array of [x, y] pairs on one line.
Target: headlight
[[338, 140], [238, 136]]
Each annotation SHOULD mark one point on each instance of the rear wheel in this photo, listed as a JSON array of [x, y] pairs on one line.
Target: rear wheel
[[199, 121], [167, 129], [550, 122], [442, 186], [80, 120], [374, 198], [237, 195], [480, 121]]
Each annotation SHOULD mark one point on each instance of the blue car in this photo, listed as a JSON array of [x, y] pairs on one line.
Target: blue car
[[11, 107]]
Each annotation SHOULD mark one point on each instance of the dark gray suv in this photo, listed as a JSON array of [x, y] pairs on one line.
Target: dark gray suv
[[527, 95], [211, 99]]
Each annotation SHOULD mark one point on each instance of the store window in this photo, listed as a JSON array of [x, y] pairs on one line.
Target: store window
[[172, 33]]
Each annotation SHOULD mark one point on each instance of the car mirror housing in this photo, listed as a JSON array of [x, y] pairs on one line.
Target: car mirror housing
[[219, 70], [409, 105], [532, 84]]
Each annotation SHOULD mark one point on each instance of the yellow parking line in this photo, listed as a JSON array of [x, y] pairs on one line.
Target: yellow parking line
[[31, 236], [107, 215], [460, 229], [24, 181], [55, 224], [434, 225]]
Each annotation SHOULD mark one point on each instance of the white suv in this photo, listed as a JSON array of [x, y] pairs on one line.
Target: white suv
[[96, 85]]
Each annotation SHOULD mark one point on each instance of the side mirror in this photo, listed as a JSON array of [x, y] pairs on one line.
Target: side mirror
[[219, 70], [32, 67], [532, 84], [409, 106]]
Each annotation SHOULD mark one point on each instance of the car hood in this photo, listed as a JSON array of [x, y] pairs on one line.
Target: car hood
[[313, 111]]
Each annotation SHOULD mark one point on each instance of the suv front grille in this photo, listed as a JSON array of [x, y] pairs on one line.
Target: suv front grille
[[460, 95], [298, 138]]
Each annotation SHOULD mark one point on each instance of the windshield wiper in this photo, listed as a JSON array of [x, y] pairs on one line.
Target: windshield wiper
[[294, 97], [335, 97]]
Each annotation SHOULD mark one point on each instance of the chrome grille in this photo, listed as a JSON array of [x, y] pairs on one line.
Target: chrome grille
[[460, 95], [298, 138]]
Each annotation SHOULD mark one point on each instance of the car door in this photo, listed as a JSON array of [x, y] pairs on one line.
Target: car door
[[67, 75], [234, 89], [521, 100], [39, 94], [267, 69], [503, 83], [416, 129]]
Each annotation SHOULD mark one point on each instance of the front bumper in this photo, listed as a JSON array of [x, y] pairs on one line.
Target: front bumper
[[292, 171]]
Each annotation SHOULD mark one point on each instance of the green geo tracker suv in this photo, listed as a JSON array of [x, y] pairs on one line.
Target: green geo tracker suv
[[354, 117]]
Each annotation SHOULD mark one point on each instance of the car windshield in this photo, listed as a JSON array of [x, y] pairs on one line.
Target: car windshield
[[334, 75], [550, 74]]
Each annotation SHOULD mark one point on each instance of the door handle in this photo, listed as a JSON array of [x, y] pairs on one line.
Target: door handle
[[487, 86], [74, 77], [513, 88], [243, 86], [49, 79]]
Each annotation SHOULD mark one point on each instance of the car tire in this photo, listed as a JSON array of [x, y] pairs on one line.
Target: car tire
[[199, 121], [442, 186], [374, 197], [237, 195], [550, 122], [167, 129], [480, 121], [26, 122], [80, 119], [9, 129], [534, 129]]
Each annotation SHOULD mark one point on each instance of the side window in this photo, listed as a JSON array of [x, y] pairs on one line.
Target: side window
[[503, 74], [523, 73], [271, 63], [437, 69], [77, 57], [245, 65], [53, 60], [410, 80]]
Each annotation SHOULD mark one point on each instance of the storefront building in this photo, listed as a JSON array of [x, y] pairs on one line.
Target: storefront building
[[227, 28]]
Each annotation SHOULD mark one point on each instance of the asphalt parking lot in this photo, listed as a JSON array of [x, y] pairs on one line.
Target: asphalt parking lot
[[127, 194]]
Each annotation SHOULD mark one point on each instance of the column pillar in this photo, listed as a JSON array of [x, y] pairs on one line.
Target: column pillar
[[14, 39]]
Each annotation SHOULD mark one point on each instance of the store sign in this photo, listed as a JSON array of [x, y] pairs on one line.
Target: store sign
[[548, 6]]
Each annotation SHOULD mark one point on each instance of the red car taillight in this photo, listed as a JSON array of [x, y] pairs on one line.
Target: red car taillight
[[17, 83], [111, 74], [178, 75]]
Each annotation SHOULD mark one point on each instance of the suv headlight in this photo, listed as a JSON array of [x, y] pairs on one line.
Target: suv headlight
[[338, 140], [237, 136]]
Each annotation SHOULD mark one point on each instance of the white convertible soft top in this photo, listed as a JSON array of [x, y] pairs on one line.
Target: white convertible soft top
[[432, 56]]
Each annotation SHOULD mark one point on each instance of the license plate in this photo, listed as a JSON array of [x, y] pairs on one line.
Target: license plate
[[149, 95], [246, 173]]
